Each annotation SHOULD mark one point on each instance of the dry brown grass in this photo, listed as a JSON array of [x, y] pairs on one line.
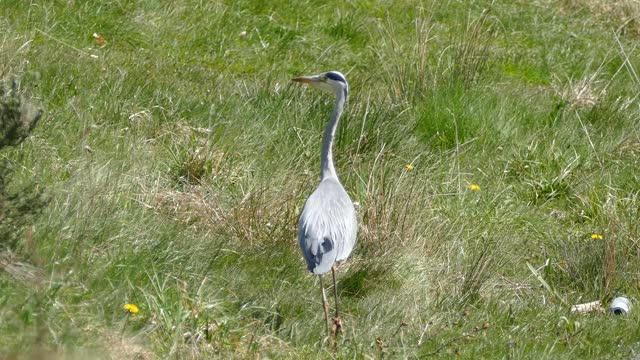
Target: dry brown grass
[[582, 93], [24, 272], [624, 14]]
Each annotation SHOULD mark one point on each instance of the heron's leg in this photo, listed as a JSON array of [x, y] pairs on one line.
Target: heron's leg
[[325, 307], [337, 324]]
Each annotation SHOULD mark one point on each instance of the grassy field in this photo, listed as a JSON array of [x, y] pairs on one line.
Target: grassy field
[[175, 156]]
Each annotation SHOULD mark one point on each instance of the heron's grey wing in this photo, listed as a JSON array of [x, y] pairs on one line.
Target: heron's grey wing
[[350, 228], [327, 227], [317, 247]]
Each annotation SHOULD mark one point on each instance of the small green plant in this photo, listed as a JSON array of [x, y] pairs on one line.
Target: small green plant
[[17, 116], [17, 207]]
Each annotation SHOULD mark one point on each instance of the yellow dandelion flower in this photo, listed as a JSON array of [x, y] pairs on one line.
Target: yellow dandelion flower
[[595, 236], [474, 187], [131, 308], [408, 166]]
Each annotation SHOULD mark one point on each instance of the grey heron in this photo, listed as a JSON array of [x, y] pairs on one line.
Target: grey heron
[[328, 224]]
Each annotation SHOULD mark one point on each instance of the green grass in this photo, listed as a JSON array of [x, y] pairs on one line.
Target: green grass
[[177, 156]]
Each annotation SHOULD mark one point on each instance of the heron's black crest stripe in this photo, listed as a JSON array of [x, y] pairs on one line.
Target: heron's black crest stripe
[[335, 77]]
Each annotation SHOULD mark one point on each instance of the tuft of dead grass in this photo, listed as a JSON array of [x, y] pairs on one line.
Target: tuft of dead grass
[[625, 14], [25, 273], [579, 94]]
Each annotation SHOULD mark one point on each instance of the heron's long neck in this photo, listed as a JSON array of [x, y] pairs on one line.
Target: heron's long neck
[[326, 161]]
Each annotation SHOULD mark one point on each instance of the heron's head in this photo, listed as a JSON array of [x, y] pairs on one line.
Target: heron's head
[[332, 81]]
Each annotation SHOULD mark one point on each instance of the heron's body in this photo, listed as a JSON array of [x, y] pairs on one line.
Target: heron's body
[[327, 228]]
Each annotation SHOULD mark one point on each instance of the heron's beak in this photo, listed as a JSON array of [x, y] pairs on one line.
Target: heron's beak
[[306, 79]]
